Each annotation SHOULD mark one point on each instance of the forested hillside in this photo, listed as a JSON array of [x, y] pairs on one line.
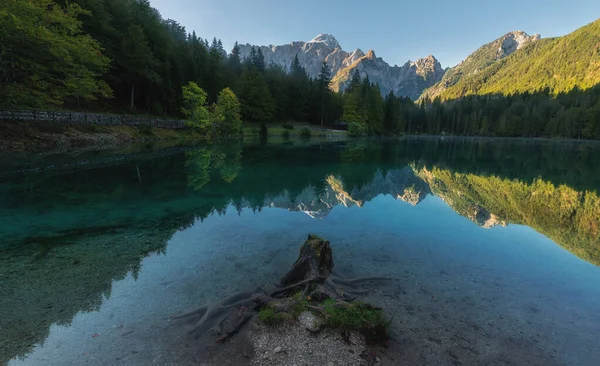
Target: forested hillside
[[575, 114], [557, 64], [485, 56]]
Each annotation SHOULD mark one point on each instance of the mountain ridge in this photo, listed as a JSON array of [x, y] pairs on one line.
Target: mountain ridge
[[555, 65], [408, 80], [513, 63]]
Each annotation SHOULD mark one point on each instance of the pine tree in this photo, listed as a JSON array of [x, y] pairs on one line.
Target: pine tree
[[391, 114], [297, 91], [259, 61], [251, 61], [235, 61], [296, 68], [355, 82], [324, 90], [375, 109], [255, 98], [215, 78]]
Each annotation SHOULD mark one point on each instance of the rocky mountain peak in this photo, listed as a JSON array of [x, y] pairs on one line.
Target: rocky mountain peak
[[358, 53], [513, 41], [429, 67], [326, 39], [370, 55], [409, 80]]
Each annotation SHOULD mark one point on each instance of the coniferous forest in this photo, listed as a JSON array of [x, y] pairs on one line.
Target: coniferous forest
[[121, 56]]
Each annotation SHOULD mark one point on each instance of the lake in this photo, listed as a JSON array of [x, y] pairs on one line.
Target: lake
[[494, 244]]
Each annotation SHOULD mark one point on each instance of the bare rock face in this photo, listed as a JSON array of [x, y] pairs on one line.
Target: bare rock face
[[407, 80], [513, 41], [311, 54]]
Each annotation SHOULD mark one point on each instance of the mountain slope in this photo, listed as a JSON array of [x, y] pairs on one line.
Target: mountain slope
[[311, 54], [407, 80], [485, 56], [559, 64]]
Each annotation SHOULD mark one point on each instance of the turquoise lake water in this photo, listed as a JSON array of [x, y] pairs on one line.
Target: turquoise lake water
[[494, 245]]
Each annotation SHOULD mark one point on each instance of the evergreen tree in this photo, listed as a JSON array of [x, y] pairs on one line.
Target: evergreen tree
[[251, 61], [235, 62], [297, 91], [276, 79], [324, 91], [355, 82], [354, 103], [257, 104], [391, 114], [257, 59], [296, 70], [375, 110], [215, 78]]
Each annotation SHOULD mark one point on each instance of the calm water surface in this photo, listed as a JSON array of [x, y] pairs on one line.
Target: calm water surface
[[494, 245]]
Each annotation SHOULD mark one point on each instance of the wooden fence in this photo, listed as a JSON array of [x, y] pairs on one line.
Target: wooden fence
[[80, 118]]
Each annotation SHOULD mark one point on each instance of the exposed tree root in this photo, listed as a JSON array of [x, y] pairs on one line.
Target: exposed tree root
[[238, 326], [308, 283], [356, 281], [214, 314]]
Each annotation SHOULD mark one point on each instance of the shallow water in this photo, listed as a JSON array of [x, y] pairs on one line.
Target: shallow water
[[494, 245]]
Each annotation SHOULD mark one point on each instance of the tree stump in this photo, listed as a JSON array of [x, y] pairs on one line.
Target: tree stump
[[308, 286]]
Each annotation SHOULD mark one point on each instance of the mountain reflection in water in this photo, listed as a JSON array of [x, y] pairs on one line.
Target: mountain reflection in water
[[68, 232]]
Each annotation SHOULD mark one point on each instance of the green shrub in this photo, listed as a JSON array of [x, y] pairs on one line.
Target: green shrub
[[288, 126], [286, 135], [358, 317], [305, 133], [269, 317], [300, 304], [357, 129]]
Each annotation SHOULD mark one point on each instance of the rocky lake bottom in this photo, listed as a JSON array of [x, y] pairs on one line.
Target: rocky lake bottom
[[96, 260]]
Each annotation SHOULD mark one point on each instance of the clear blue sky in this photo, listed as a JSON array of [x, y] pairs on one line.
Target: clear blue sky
[[397, 30]]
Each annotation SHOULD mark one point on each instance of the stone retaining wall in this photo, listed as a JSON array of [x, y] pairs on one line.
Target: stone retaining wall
[[80, 118]]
